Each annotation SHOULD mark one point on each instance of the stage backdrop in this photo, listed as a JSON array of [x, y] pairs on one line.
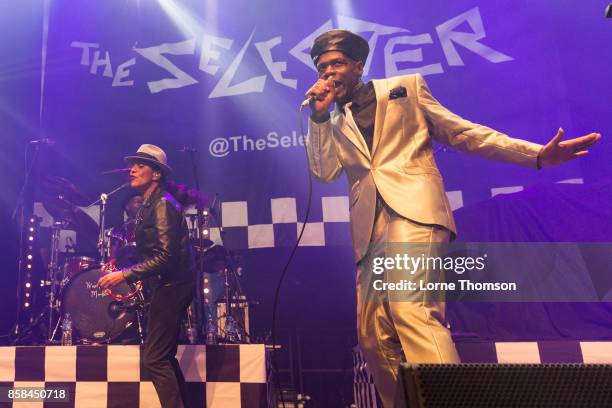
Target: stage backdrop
[[226, 78]]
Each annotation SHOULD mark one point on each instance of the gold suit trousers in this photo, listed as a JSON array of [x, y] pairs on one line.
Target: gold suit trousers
[[386, 328]]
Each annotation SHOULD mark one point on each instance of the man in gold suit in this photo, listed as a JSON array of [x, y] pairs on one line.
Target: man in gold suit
[[381, 134]]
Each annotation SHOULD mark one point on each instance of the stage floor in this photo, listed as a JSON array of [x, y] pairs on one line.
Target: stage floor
[[222, 376]]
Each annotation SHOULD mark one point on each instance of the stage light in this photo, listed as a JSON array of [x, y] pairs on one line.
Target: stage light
[[31, 238], [32, 220], [30, 256], [206, 291], [27, 294], [26, 304], [205, 280], [205, 213], [182, 18], [29, 266], [205, 232], [28, 284], [343, 8], [31, 229]]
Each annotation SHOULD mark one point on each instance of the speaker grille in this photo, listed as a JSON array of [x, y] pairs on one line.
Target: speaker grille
[[508, 385]]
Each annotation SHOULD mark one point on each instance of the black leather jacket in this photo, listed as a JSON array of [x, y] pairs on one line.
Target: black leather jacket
[[162, 240]]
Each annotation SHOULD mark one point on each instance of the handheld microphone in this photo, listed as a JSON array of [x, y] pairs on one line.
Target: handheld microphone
[[307, 101]]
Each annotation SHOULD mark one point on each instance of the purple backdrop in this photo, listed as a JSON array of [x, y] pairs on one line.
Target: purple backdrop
[[213, 76]]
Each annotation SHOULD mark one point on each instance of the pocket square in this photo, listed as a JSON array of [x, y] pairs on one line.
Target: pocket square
[[399, 92]]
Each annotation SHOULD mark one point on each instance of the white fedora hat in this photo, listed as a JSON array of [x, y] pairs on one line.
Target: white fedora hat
[[152, 155]]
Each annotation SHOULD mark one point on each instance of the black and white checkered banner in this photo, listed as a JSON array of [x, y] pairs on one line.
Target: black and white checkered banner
[[263, 225]]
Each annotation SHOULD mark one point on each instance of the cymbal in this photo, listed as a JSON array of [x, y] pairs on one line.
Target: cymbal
[[206, 243], [214, 259], [56, 186], [73, 217], [124, 170]]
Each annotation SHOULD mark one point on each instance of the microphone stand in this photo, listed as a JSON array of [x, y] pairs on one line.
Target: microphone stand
[[195, 320], [102, 200]]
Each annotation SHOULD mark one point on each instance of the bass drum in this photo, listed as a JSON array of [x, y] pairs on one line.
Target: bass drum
[[76, 264], [96, 318]]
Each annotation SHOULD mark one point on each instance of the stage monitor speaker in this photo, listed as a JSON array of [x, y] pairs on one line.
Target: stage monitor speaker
[[504, 385]]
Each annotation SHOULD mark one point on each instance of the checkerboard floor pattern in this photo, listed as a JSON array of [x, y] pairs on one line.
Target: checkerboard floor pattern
[[223, 376]]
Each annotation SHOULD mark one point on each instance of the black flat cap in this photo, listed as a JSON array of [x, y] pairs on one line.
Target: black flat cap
[[354, 46]]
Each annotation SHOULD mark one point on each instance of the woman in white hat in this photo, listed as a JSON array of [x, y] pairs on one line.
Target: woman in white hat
[[162, 240]]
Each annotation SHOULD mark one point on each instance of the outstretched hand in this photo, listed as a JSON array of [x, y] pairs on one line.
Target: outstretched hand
[[557, 152]]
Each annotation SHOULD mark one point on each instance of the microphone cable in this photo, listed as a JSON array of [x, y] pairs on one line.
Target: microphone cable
[[273, 361]]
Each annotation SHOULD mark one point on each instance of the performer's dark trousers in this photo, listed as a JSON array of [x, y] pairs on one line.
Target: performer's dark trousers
[[168, 305]]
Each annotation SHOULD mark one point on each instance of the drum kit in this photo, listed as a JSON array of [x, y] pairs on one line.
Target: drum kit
[[104, 317]]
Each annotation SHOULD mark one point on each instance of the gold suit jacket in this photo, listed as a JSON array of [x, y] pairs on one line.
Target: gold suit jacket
[[401, 165]]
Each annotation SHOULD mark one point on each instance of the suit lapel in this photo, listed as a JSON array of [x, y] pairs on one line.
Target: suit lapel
[[381, 89], [349, 128]]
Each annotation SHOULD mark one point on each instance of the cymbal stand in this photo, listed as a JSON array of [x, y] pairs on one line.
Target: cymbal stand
[[194, 315], [233, 333], [199, 222], [140, 316], [231, 328], [53, 271], [203, 225]]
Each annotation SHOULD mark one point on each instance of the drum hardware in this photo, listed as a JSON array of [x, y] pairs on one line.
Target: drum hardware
[[71, 286], [96, 317], [191, 330], [231, 331], [103, 317], [53, 271], [140, 317], [212, 260], [60, 198], [121, 245], [71, 216], [102, 202], [50, 284], [59, 187], [201, 221], [218, 259], [238, 328]]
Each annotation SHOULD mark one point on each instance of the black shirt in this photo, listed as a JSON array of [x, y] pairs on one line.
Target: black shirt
[[363, 109]]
